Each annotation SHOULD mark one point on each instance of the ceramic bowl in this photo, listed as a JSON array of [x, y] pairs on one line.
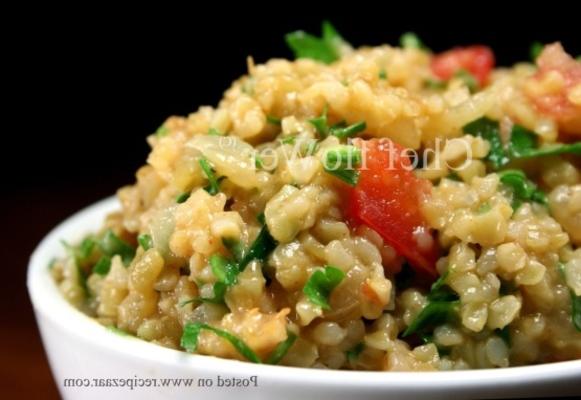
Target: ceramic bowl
[[89, 361]]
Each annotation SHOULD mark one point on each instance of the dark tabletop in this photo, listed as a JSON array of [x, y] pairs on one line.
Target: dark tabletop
[[28, 217]]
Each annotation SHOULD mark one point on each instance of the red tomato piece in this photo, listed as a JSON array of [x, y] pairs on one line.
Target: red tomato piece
[[388, 197], [478, 60], [552, 88]]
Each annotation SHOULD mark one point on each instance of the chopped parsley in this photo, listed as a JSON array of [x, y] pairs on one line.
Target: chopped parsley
[[145, 241], [535, 50], [320, 123], [524, 144], [320, 285], [218, 293], [235, 248], [214, 185], [192, 330], [484, 208], [112, 244], [182, 197], [468, 79], [281, 349], [288, 140], [442, 307], [271, 119], [354, 352], [224, 270], [435, 84], [214, 132], [522, 188], [262, 246], [118, 331], [342, 131], [162, 131], [575, 302], [341, 162], [103, 266], [325, 49], [410, 40], [489, 130]]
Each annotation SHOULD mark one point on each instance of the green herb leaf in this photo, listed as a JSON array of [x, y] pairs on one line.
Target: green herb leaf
[[214, 132], [235, 248], [382, 74], [348, 131], [439, 283], [118, 331], [326, 49], [489, 130], [354, 352], [410, 40], [82, 277], [281, 349], [224, 270], [190, 336], [484, 208], [435, 84], [320, 123], [261, 218], [271, 119], [535, 50], [103, 266], [342, 162], [576, 310], [575, 301], [434, 313], [288, 140], [442, 307], [218, 293], [468, 79], [343, 156], [262, 246], [111, 245], [350, 177], [309, 148], [214, 185], [522, 188], [162, 131], [523, 144], [81, 253], [86, 248], [183, 197], [439, 291], [145, 241], [320, 285]]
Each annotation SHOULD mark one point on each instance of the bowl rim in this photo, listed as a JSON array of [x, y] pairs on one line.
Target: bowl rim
[[50, 304]]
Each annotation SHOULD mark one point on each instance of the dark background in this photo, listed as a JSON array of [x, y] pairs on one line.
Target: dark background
[[87, 86]]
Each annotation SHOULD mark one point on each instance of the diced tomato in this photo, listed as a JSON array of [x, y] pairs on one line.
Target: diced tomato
[[555, 88], [478, 60], [387, 198]]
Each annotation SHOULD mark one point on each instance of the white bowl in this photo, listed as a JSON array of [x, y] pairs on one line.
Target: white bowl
[[80, 348]]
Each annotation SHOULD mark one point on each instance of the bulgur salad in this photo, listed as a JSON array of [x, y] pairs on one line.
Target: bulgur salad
[[380, 208]]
